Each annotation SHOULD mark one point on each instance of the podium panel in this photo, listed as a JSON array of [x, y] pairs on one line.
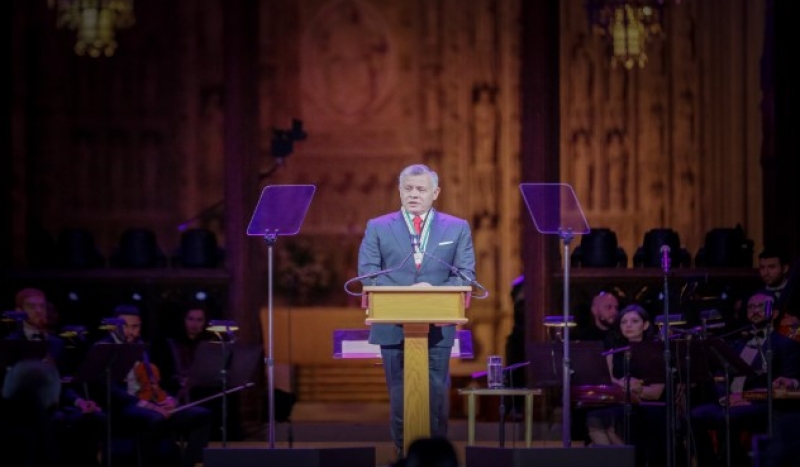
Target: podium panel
[[432, 305]]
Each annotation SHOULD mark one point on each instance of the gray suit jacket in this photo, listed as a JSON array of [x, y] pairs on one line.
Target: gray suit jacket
[[387, 244]]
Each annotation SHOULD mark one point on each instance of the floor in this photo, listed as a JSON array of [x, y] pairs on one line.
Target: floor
[[372, 434]]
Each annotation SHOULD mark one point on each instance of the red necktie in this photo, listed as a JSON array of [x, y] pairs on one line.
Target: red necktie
[[418, 229], [418, 225]]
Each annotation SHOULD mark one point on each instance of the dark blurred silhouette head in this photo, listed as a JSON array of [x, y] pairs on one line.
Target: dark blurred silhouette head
[[431, 452]]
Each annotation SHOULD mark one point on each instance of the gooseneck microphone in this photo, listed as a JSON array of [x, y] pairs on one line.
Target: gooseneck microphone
[[375, 274], [665, 259], [457, 272]]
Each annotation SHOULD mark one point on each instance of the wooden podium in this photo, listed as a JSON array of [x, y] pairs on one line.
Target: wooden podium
[[416, 308]]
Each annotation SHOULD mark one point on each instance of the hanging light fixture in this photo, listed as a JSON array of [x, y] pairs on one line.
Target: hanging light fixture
[[95, 22], [628, 25]]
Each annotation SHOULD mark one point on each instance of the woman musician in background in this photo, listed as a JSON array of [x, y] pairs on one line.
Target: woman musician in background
[[633, 329], [176, 355]]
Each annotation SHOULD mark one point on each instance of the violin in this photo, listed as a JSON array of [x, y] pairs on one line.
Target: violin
[[148, 377]]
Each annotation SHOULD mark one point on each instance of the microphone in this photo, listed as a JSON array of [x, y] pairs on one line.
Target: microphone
[[457, 272], [373, 275], [665, 250]]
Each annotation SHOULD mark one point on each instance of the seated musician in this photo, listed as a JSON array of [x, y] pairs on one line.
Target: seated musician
[[175, 356], [141, 404], [597, 324], [745, 415], [632, 327], [78, 422]]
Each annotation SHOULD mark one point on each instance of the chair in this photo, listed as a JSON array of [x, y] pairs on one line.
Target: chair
[[138, 248], [649, 254], [76, 249], [599, 248], [198, 249], [725, 247]]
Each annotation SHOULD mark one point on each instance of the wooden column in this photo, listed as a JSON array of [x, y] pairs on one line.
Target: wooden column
[[240, 21]]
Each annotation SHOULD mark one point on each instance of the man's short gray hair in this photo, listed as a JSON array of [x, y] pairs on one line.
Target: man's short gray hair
[[419, 169]]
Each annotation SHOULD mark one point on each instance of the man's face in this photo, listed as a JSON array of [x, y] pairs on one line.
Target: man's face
[[132, 328], [756, 308], [771, 271], [605, 308], [417, 193], [36, 308], [194, 321]]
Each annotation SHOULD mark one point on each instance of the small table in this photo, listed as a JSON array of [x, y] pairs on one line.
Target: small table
[[474, 392]]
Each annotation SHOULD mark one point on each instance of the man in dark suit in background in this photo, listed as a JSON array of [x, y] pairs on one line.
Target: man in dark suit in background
[[79, 423], [436, 241]]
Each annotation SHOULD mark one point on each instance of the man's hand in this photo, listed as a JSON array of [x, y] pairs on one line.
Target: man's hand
[[87, 406], [735, 400], [164, 411], [169, 403], [784, 382]]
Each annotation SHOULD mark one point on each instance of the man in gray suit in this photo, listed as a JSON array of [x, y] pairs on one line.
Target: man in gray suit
[[420, 246]]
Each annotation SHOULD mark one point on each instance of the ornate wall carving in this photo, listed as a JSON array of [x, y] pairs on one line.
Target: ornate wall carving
[[645, 147], [382, 83]]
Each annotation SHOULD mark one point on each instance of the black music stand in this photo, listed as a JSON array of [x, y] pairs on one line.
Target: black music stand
[[555, 209], [692, 369], [226, 366], [731, 363], [106, 363], [280, 211], [589, 365]]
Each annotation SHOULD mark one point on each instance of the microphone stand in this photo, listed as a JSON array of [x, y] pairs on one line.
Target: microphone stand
[[670, 438], [688, 397], [225, 335], [510, 370], [726, 406], [770, 396], [727, 410], [628, 408]]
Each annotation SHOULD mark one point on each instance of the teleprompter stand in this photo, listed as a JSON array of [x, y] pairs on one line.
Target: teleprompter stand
[[280, 211], [555, 209]]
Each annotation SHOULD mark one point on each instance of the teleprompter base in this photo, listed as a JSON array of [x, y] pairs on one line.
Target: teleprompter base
[[293, 457], [618, 456]]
